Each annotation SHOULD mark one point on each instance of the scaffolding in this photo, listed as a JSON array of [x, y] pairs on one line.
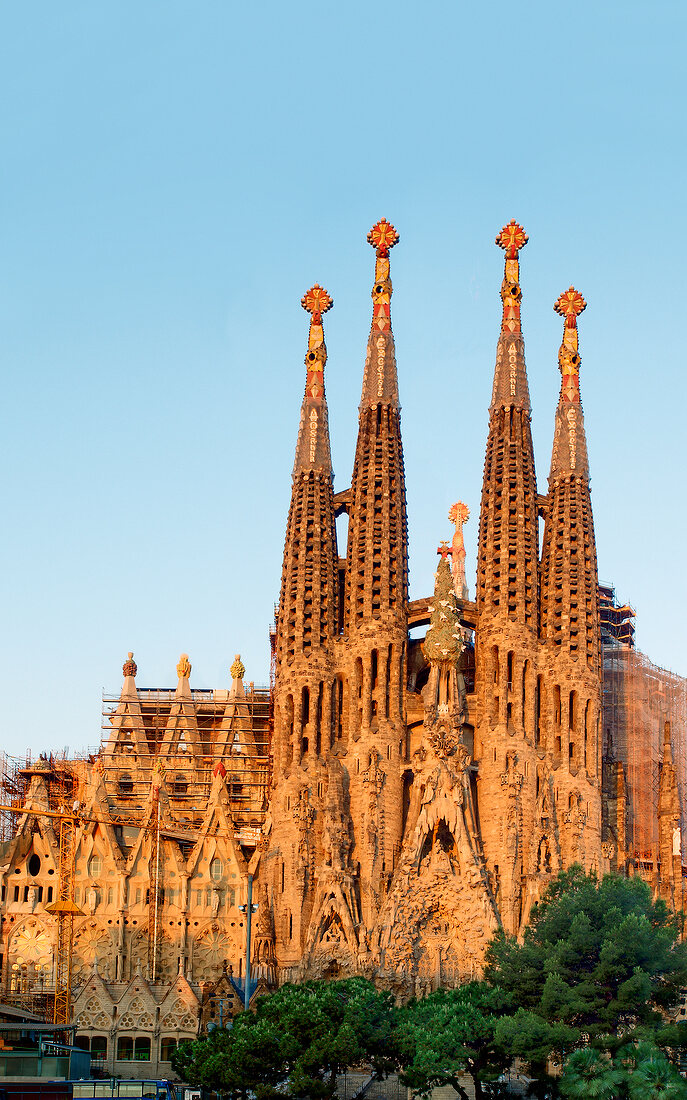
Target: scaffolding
[[12, 793], [617, 621], [638, 698], [136, 742]]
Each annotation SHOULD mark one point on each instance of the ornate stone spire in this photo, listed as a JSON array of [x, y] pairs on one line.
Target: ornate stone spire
[[459, 514], [308, 609], [669, 828], [312, 449], [444, 640], [184, 667], [377, 566], [569, 580], [508, 529], [510, 375], [569, 455], [380, 383]]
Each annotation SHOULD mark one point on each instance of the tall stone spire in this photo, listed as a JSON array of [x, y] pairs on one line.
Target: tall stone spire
[[669, 833], [307, 625], [510, 376], [312, 449], [307, 607], [570, 702], [380, 383], [507, 647], [375, 620], [569, 454], [377, 569], [508, 532], [569, 579]]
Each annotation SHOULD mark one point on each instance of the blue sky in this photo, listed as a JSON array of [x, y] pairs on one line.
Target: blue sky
[[173, 177]]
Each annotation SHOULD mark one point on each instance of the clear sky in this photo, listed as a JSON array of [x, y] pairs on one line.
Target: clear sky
[[174, 176]]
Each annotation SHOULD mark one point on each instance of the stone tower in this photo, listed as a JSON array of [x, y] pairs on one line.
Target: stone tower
[[569, 696], [669, 832], [307, 621], [373, 651], [506, 648]]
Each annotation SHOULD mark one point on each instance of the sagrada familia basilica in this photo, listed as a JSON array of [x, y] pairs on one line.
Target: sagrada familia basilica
[[392, 799]]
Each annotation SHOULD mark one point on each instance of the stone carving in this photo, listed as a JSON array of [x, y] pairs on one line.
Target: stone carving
[[238, 669], [184, 667], [210, 951], [459, 514], [264, 956], [92, 941], [304, 816], [336, 828], [511, 239], [129, 668]]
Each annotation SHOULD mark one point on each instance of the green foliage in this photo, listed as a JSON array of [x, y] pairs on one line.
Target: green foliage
[[451, 1034], [599, 958], [639, 1072], [590, 1074], [296, 1042], [599, 964]]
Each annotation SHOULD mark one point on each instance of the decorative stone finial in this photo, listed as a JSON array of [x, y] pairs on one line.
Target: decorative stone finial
[[569, 305], [382, 237], [129, 668], [237, 670], [219, 769], [458, 514], [184, 667], [511, 239], [316, 301]]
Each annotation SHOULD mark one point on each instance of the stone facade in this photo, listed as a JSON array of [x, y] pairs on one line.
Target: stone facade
[[395, 801]]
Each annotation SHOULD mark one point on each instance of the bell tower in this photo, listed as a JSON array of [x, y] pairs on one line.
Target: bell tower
[[506, 636], [306, 626], [569, 614], [373, 649]]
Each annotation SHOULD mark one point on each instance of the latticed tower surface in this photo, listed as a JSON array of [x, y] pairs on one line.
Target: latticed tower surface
[[307, 621], [570, 694], [506, 637], [373, 649]]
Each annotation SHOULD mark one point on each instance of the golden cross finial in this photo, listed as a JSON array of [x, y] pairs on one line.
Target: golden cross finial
[[511, 239], [570, 305], [383, 237], [316, 301]]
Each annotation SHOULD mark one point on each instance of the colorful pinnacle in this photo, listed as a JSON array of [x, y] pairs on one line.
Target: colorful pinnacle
[[569, 305], [511, 239], [316, 301], [382, 237]]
